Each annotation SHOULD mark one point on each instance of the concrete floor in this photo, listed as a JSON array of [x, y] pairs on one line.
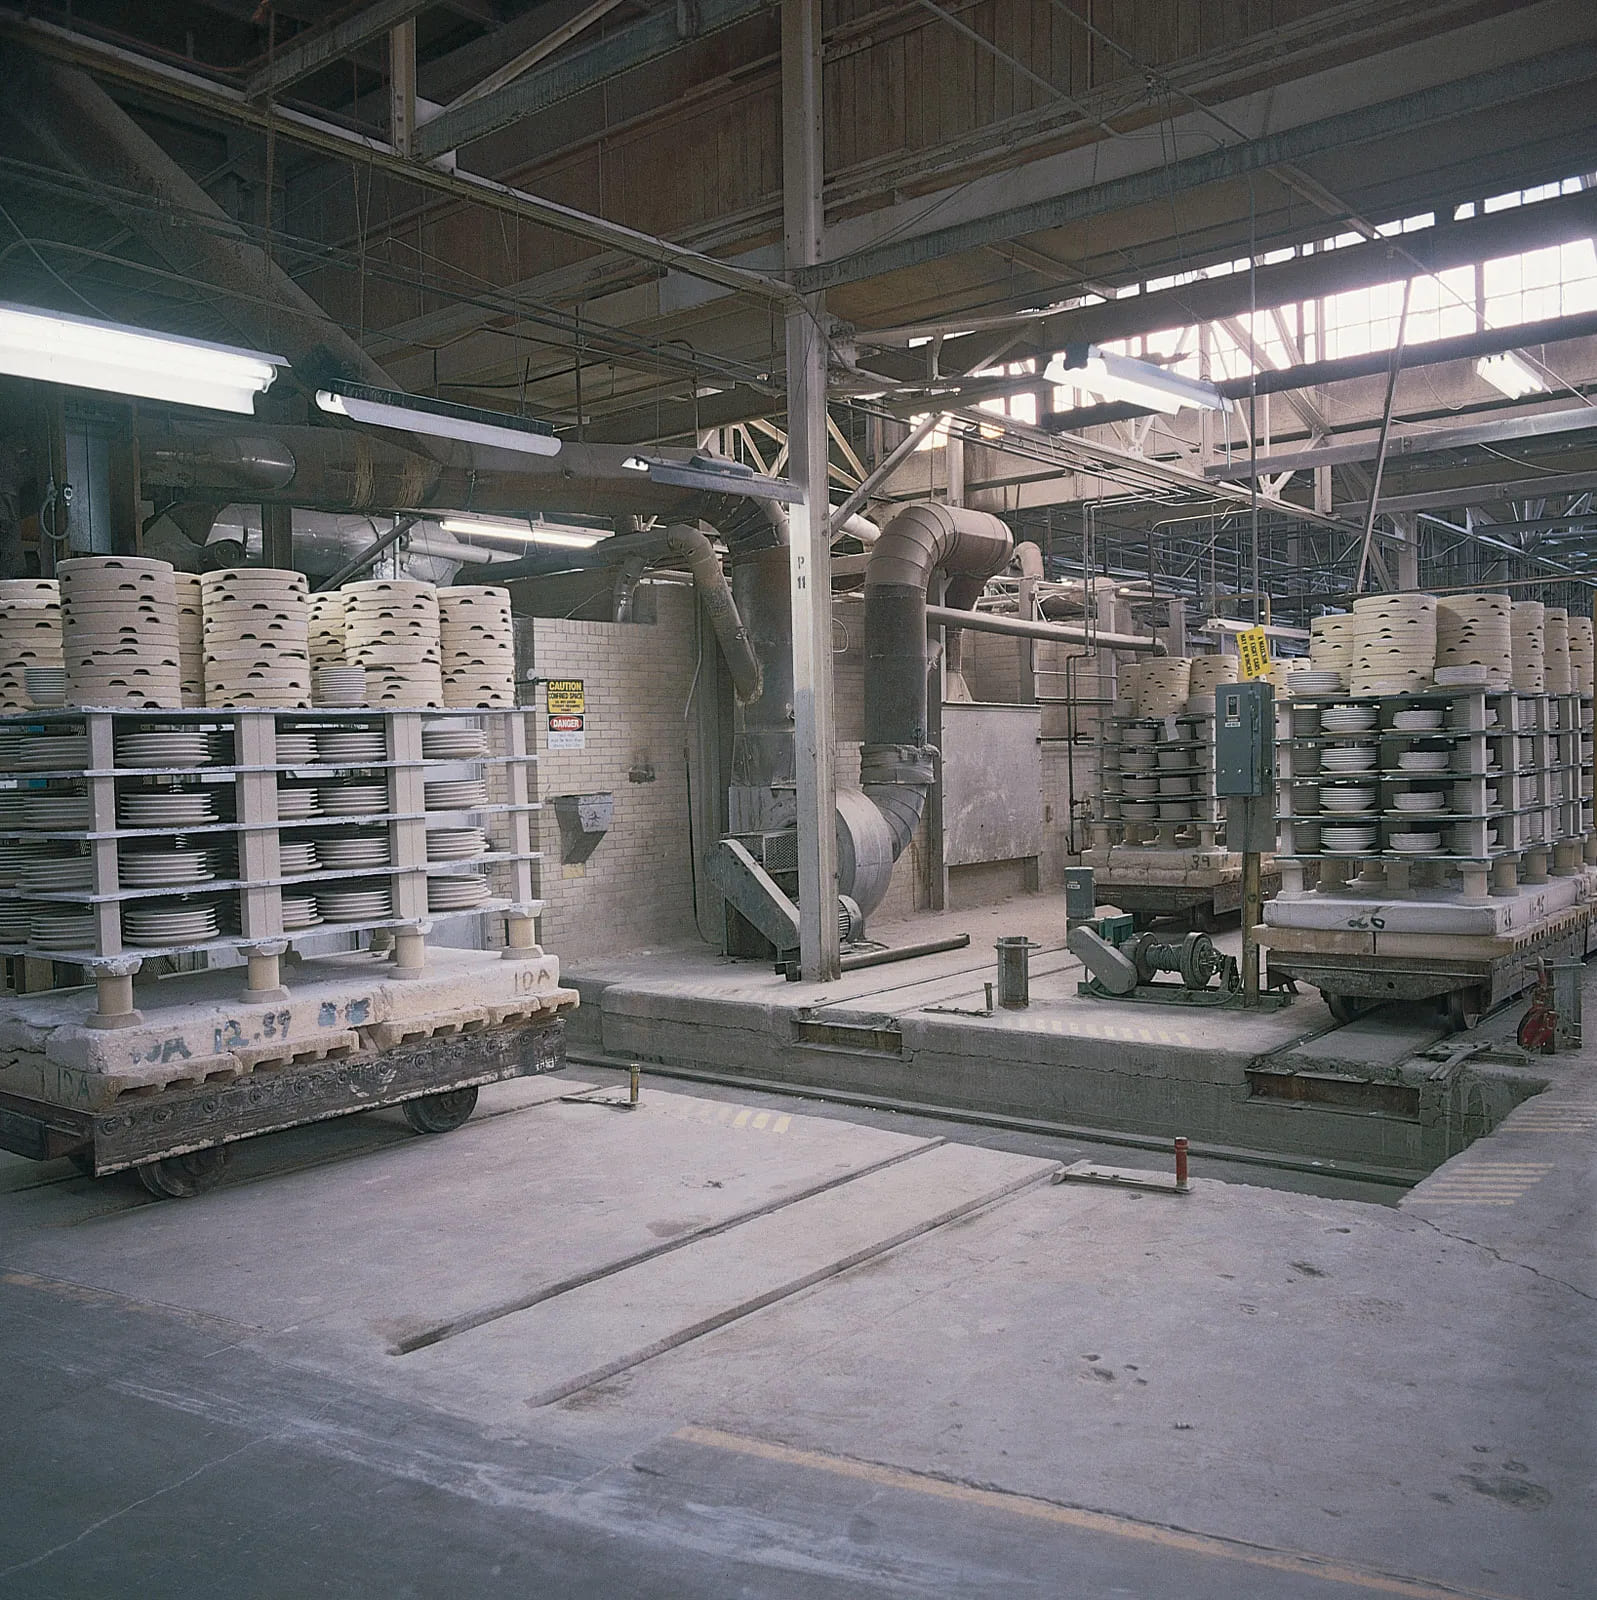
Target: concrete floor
[[741, 1344]]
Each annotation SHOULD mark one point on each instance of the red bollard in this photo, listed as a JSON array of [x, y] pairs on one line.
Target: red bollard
[[1181, 1164]]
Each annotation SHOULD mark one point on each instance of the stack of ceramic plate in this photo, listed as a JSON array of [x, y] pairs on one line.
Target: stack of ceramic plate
[[352, 799], [462, 892], [1582, 666], [16, 918], [61, 875], [161, 869], [1474, 676], [391, 629], [1347, 799], [1555, 647], [1475, 630], [466, 794], [1174, 810], [479, 651], [1331, 645], [179, 748], [1347, 758], [52, 928], [51, 811], [1140, 734], [1423, 760], [1346, 840], [295, 857], [1130, 760], [1348, 719], [1463, 840], [1174, 784], [297, 800], [453, 741], [1317, 680], [1139, 811], [355, 905], [1141, 787], [1394, 643], [52, 752], [351, 747], [1415, 844], [190, 636], [326, 638], [296, 748], [1177, 760], [456, 844], [119, 631], [339, 686], [257, 637], [1163, 686], [31, 852], [166, 808], [45, 687], [356, 849], [169, 922], [1417, 721], [299, 911], [1421, 801], [30, 635], [1529, 646]]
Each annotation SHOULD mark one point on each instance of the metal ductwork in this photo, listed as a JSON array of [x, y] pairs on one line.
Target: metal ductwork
[[896, 762]]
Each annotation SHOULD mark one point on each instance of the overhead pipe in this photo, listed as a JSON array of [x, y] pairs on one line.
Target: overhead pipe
[[1056, 632]]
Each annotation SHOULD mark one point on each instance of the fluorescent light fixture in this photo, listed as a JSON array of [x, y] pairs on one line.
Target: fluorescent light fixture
[[86, 354], [527, 533], [1111, 376], [717, 474], [1511, 374], [439, 419]]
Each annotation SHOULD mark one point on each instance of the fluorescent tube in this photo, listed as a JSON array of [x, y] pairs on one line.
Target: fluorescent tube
[[1511, 374], [439, 419], [493, 528], [86, 354], [1116, 377]]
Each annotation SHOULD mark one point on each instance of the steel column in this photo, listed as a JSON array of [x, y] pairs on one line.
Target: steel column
[[810, 553]]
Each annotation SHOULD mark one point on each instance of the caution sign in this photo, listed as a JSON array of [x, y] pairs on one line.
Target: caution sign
[[1253, 650], [565, 698], [566, 732]]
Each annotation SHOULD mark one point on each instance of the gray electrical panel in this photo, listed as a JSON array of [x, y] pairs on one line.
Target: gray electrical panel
[[1244, 739]]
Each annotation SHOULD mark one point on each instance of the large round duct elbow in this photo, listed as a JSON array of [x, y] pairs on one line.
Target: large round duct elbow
[[866, 850]]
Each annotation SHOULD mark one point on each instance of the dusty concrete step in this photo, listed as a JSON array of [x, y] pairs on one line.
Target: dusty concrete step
[[562, 1345]]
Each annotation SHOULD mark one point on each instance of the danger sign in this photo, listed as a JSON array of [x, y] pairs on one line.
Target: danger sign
[[566, 732]]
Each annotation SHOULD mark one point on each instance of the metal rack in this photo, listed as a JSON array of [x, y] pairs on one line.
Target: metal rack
[[1186, 736], [246, 788], [1518, 780]]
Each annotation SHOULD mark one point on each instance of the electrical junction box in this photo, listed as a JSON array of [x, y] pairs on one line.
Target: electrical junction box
[[1244, 739]]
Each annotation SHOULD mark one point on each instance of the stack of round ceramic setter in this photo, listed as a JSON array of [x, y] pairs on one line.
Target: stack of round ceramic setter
[[30, 636], [1331, 644], [119, 631], [1394, 643], [391, 629], [1163, 686], [1529, 647], [257, 626], [190, 637], [1555, 643], [1582, 667], [327, 628], [1208, 673], [1475, 640], [479, 652]]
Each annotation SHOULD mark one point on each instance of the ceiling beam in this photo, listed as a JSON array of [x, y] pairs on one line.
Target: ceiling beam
[[1393, 119], [232, 105], [1479, 494], [556, 39], [318, 47], [641, 42]]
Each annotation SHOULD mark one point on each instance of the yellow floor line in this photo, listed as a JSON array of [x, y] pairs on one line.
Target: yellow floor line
[[1298, 1563]]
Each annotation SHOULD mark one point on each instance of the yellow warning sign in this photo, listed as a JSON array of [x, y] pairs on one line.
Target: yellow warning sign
[[1253, 648], [565, 697]]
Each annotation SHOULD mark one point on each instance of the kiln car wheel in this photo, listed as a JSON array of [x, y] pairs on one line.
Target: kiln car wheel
[[1346, 1007], [183, 1177], [440, 1113]]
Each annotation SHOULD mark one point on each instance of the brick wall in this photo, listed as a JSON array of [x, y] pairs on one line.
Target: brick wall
[[636, 890]]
